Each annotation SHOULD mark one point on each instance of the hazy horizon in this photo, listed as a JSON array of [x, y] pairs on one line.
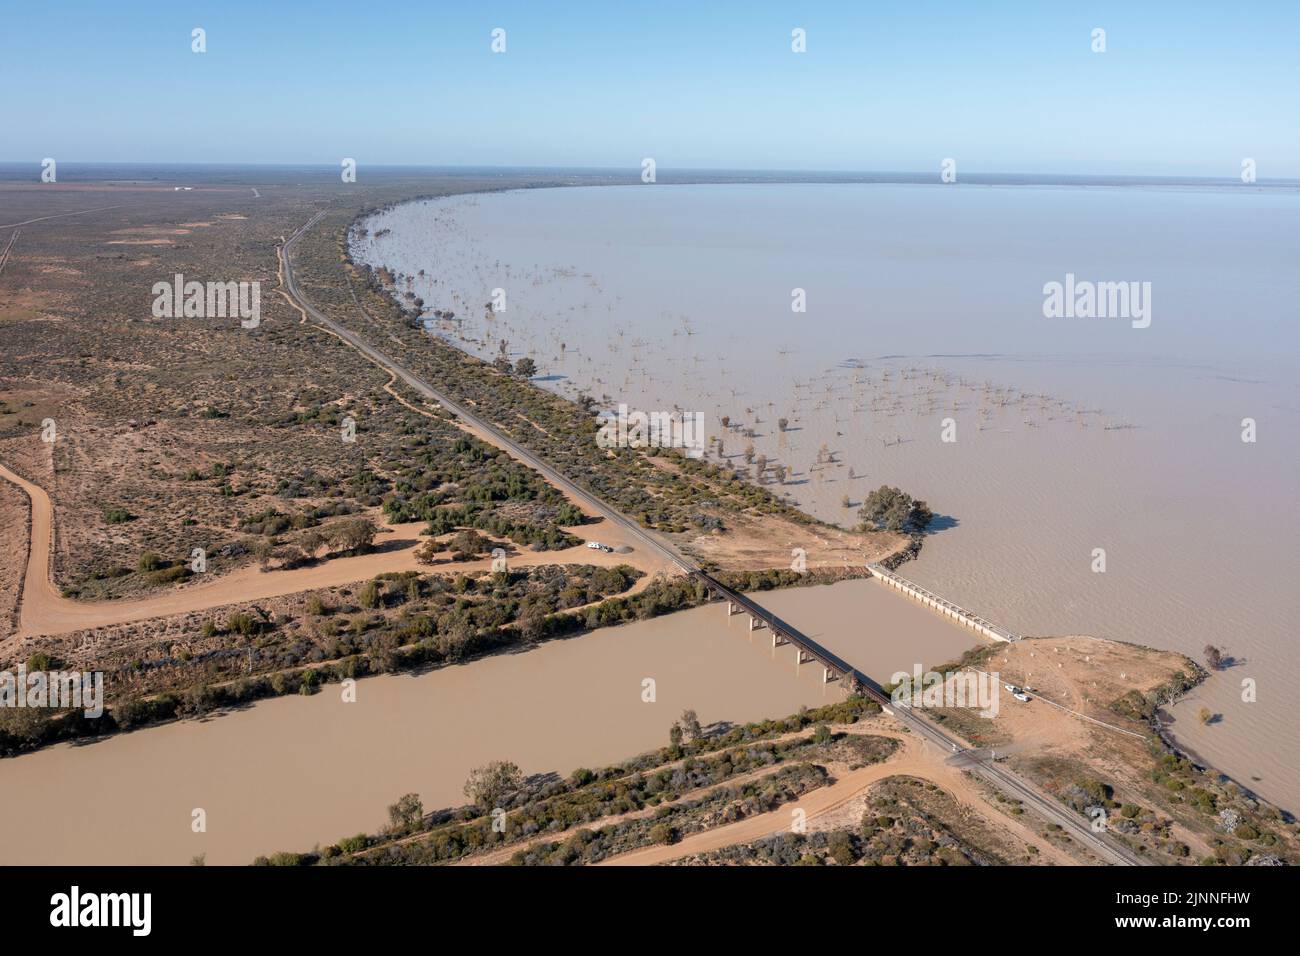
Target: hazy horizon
[[70, 170]]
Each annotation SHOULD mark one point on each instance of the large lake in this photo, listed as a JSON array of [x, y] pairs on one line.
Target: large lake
[[925, 303]]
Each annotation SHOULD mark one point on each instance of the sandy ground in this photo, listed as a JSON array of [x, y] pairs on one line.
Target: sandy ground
[[751, 544], [841, 803], [46, 611], [503, 855]]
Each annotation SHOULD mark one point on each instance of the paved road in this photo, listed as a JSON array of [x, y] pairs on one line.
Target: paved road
[[1000, 777]]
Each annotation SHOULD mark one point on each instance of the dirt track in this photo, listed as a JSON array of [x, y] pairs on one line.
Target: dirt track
[[44, 610], [914, 758]]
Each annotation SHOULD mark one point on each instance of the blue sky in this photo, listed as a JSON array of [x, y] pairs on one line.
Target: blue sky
[[1182, 89]]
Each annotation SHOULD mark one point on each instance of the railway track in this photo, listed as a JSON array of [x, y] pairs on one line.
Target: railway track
[[1104, 847]]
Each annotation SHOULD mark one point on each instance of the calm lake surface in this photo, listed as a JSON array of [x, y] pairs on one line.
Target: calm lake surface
[[289, 773], [925, 303]]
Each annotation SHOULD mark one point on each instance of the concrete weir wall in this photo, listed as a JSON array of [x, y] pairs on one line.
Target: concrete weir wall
[[946, 608]]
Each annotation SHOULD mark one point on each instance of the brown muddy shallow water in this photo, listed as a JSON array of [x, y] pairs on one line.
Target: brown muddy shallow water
[[924, 317], [289, 773]]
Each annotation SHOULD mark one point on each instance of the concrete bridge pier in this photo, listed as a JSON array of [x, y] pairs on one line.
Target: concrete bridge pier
[[778, 640], [732, 609], [755, 624]]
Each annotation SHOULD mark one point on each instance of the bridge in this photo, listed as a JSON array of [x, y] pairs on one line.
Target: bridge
[[975, 761], [833, 667], [806, 650]]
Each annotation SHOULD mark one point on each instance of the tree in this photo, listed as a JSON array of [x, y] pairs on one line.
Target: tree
[[888, 507], [312, 541], [780, 473], [457, 640], [690, 724], [405, 815], [675, 735], [488, 784], [353, 534], [502, 364], [1214, 657], [749, 454], [532, 624], [783, 423], [726, 421], [761, 465], [525, 367], [469, 544]]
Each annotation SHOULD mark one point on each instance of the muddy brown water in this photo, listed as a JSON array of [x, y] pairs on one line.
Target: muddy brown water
[[289, 773], [924, 304]]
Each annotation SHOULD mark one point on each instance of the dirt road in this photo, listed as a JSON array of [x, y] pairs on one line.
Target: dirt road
[[914, 758], [45, 610]]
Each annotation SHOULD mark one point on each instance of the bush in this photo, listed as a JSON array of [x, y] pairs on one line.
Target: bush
[[662, 833], [354, 844], [241, 623]]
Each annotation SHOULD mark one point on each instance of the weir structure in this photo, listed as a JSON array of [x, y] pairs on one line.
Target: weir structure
[[931, 600]]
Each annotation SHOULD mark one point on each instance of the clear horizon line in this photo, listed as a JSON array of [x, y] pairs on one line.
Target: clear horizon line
[[636, 169]]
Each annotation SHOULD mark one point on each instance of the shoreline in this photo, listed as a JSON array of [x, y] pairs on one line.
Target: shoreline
[[1103, 604]]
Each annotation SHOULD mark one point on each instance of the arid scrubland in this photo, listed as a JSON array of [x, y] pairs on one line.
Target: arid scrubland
[[176, 434], [272, 447]]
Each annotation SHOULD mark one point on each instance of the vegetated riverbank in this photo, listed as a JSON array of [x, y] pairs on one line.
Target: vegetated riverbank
[[680, 295], [412, 640], [289, 772], [1096, 760], [511, 809]]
